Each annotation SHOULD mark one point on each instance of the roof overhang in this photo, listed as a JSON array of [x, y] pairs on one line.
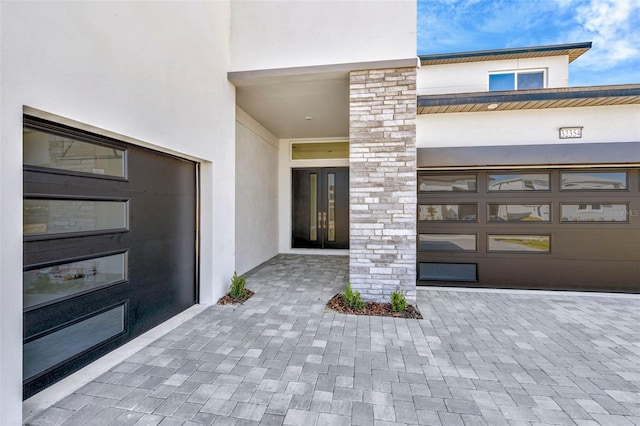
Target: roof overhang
[[303, 102], [572, 50], [530, 99]]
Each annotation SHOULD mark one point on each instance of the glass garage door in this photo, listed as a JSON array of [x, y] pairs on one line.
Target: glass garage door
[[109, 246], [575, 229]]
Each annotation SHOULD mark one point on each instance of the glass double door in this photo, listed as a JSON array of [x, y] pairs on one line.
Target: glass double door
[[321, 208]]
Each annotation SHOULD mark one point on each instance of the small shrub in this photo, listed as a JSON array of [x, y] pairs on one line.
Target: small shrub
[[398, 301], [352, 298], [237, 290]]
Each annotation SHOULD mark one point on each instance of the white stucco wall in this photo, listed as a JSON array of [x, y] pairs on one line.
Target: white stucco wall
[[113, 65], [256, 193], [292, 33], [285, 188], [474, 76], [619, 123]]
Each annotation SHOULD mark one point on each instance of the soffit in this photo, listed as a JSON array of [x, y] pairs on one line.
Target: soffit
[[281, 99], [530, 99], [573, 51]]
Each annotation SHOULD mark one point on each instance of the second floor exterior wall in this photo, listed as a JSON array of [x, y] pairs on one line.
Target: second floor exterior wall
[[472, 77]]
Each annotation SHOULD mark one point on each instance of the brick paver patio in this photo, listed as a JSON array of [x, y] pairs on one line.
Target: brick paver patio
[[496, 358]]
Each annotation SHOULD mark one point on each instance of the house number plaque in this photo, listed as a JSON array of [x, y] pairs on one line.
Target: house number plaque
[[570, 132]]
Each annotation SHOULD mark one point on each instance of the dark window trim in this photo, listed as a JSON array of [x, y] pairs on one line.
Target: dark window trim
[[78, 259], [450, 263], [42, 237], [434, 173], [596, 222], [474, 251], [490, 234], [125, 330], [626, 171], [46, 126], [490, 173], [449, 204], [524, 202]]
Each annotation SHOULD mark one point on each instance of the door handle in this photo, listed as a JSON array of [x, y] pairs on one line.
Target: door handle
[[319, 220], [324, 220]]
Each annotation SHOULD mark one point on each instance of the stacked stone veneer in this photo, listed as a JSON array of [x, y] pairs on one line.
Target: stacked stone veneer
[[382, 179]]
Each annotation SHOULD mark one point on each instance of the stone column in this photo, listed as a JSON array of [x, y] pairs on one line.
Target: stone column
[[382, 179]]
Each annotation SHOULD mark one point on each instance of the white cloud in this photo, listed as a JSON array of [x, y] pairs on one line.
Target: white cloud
[[612, 25]]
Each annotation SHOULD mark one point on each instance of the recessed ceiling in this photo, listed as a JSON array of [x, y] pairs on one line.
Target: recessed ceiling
[[283, 99], [283, 105]]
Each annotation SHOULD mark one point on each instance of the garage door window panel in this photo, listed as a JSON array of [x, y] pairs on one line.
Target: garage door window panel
[[43, 149], [518, 182], [448, 242], [44, 217], [594, 213], [525, 213], [448, 183], [519, 243], [448, 212], [594, 181], [454, 272], [50, 283], [54, 348]]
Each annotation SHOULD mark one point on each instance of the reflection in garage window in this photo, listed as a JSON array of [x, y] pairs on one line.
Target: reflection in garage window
[[64, 216], [595, 212], [64, 153], [51, 283], [519, 212], [589, 181], [448, 212], [520, 243], [447, 242], [48, 351], [447, 183], [519, 182]]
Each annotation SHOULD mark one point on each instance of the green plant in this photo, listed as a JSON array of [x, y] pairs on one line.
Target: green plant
[[352, 298], [237, 290], [398, 301]]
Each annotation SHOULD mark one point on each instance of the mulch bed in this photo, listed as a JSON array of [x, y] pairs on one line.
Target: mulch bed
[[228, 300], [372, 308]]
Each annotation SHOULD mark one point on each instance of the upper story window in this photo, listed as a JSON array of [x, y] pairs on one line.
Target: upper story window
[[516, 80]]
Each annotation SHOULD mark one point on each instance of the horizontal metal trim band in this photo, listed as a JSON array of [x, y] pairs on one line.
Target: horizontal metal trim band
[[565, 155]]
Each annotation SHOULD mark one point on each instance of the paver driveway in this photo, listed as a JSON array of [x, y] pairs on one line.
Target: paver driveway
[[477, 358]]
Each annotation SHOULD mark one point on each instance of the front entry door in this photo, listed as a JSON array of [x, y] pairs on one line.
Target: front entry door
[[321, 208]]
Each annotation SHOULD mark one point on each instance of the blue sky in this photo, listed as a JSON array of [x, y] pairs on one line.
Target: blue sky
[[612, 25]]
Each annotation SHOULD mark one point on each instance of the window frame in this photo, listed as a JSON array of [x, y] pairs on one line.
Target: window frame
[[61, 130], [515, 73], [626, 173], [73, 234], [462, 174], [57, 262], [475, 236], [492, 235]]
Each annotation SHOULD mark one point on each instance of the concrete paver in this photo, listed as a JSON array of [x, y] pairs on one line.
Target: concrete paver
[[481, 357]]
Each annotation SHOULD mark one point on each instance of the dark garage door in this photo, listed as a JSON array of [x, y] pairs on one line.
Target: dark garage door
[[570, 229], [109, 246]]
